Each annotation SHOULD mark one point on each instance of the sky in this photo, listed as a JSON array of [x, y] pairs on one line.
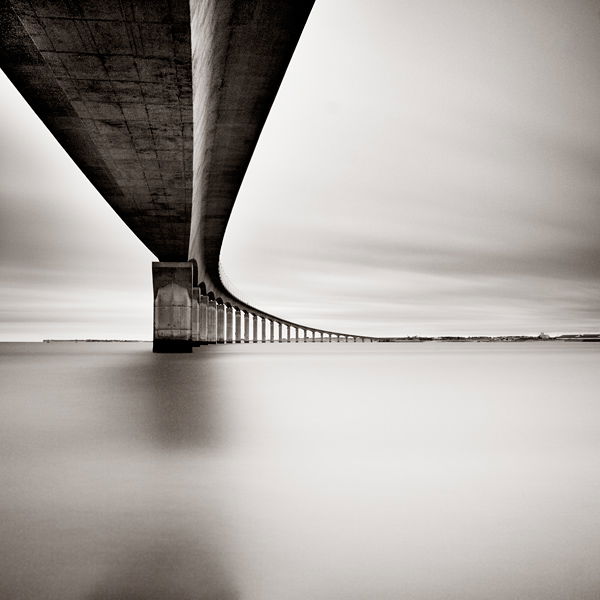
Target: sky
[[428, 168]]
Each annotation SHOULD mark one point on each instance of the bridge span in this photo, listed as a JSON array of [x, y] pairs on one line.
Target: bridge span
[[161, 105]]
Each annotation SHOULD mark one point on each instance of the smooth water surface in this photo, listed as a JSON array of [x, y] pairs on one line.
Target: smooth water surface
[[300, 472]]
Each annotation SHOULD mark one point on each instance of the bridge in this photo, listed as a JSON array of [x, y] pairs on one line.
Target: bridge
[[161, 104]]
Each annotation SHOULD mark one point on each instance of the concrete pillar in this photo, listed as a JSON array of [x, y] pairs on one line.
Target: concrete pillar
[[255, 328], [238, 325], [321, 334], [313, 334], [246, 327], [220, 323], [172, 283], [289, 333], [229, 324], [203, 320], [272, 331], [212, 322], [195, 316], [280, 326], [263, 338]]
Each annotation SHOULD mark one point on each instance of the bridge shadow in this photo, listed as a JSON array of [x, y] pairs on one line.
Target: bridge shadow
[[171, 399], [173, 569], [171, 548]]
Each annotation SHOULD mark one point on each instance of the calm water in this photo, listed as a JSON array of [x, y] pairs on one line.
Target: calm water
[[300, 472]]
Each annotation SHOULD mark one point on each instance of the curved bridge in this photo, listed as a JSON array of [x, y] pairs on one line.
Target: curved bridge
[[161, 105]]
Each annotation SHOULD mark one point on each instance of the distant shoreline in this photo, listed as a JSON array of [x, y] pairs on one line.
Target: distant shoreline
[[575, 337], [95, 341]]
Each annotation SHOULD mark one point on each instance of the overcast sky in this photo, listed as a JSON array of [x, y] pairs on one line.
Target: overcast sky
[[429, 167]]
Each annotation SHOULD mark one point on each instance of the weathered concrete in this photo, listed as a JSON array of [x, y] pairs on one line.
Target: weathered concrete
[[203, 319], [229, 324], [113, 83], [220, 323], [196, 316], [240, 51], [246, 327], [212, 322], [173, 290], [238, 326]]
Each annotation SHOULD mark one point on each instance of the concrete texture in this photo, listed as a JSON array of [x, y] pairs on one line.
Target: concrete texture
[[173, 293], [212, 322], [246, 327], [203, 325], [196, 316], [220, 323], [240, 52], [112, 81], [229, 324], [238, 326]]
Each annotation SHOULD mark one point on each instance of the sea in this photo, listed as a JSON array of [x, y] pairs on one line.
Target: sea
[[424, 471]]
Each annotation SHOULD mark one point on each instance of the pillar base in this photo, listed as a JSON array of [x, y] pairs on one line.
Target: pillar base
[[173, 298], [172, 346]]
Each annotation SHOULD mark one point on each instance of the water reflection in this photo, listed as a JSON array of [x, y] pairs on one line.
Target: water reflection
[[300, 472], [107, 488], [179, 395], [175, 568]]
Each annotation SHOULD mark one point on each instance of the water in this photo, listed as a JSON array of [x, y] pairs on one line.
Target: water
[[300, 472]]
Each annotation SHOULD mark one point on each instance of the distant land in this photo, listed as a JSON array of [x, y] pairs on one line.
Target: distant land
[[543, 337], [92, 341], [567, 337]]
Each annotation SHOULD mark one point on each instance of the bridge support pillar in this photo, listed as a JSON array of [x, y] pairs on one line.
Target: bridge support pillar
[[173, 299], [271, 330], [195, 316], [203, 320], [238, 325], [263, 330], [212, 322], [255, 328], [229, 324], [289, 328], [246, 327], [220, 323]]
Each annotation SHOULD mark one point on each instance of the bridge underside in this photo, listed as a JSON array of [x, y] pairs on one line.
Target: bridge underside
[[161, 105], [112, 81]]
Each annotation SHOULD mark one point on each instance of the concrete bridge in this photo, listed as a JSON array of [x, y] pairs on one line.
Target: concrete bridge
[[161, 103]]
